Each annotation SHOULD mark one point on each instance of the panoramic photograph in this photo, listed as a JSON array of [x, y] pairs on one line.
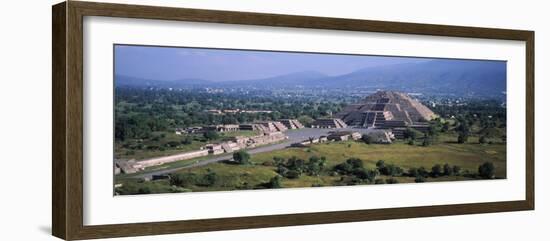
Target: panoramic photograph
[[203, 119]]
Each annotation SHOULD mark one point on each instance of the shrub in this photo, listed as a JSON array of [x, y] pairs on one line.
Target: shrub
[[144, 190], [241, 157], [378, 181], [436, 170], [390, 170], [456, 170], [412, 134], [274, 182], [380, 164], [427, 141], [413, 172], [462, 138], [423, 172], [208, 179], [172, 144], [419, 179], [364, 174], [211, 135], [187, 140], [295, 164], [447, 170], [487, 170], [278, 160], [183, 179], [282, 170], [292, 174], [315, 165], [391, 181], [483, 140], [355, 162], [343, 168]]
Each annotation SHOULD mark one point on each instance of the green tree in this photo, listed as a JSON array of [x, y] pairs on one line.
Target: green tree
[[413, 172], [487, 170], [144, 190], [427, 140], [456, 170], [209, 179], [462, 138], [292, 174], [211, 135], [483, 139], [305, 120], [436, 170], [274, 182], [423, 172], [411, 133], [447, 170], [380, 164], [242, 157], [187, 140], [419, 179]]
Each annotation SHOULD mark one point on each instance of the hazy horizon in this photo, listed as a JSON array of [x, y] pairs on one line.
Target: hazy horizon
[[175, 63]]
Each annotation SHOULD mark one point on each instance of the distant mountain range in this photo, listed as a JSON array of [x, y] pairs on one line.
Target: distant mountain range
[[450, 76]]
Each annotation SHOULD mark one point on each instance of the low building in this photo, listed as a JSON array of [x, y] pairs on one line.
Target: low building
[[126, 166], [214, 111], [266, 138], [223, 128], [167, 159], [339, 136], [356, 135], [214, 149], [292, 124], [194, 129], [253, 127], [273, 126], [328, 123]]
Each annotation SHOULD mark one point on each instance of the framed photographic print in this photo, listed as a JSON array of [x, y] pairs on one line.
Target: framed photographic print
[[171, 120]]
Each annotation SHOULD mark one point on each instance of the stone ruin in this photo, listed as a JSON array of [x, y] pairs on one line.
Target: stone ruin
[[387, 110]]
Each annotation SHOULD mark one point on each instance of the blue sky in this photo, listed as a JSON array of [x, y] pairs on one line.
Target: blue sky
[[171, 63]]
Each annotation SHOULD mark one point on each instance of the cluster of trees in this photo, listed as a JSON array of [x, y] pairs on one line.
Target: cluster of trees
[[356, 172], [193, 179], [388, 169], [485, 113], [355, 169], [427, 138], [294, 167], [352, 172], [141, 111]]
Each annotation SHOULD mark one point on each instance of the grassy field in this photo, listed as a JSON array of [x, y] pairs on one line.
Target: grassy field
[[468, 156]]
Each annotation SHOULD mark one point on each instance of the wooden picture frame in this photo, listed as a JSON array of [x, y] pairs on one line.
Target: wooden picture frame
[[67, 125]]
